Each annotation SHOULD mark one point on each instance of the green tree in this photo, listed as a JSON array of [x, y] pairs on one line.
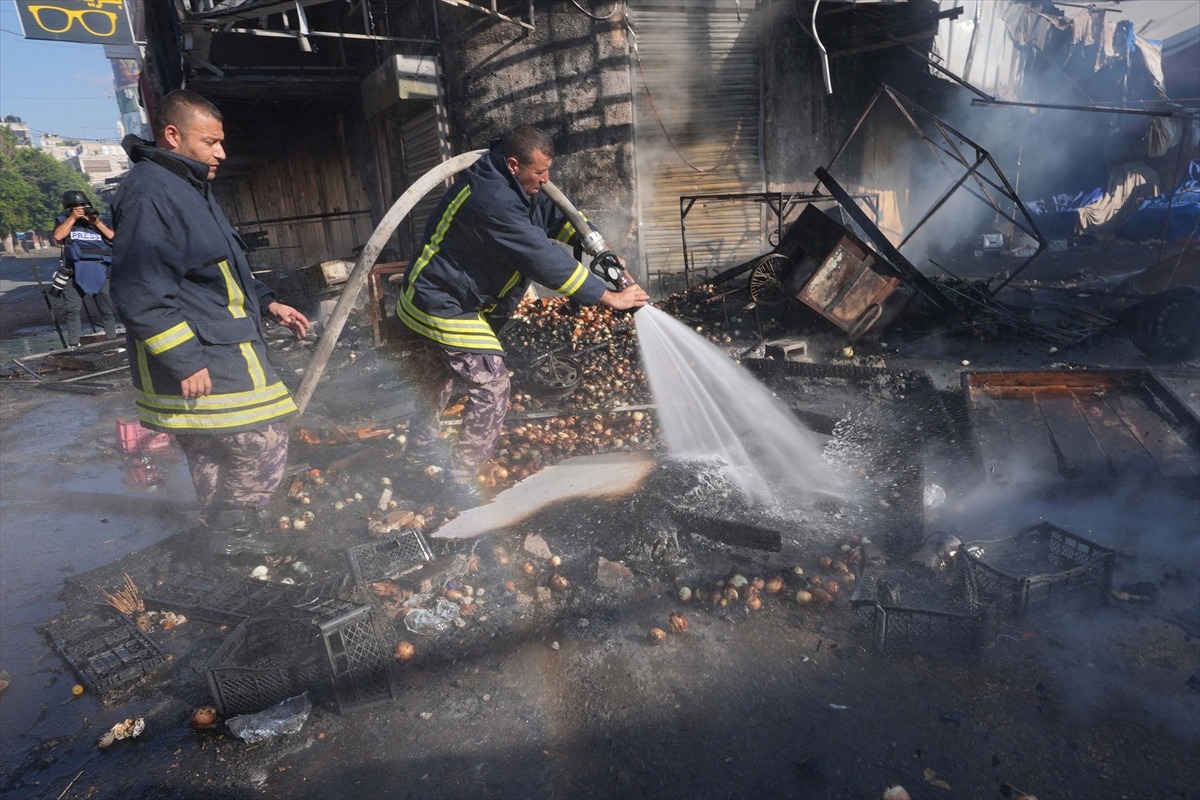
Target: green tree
[[31, 186]]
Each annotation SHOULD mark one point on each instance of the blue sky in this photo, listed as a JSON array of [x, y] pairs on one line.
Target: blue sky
[[55, 87]]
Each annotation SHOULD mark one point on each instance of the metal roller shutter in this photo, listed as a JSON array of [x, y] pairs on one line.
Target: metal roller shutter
[[421, 139], [696, 78]]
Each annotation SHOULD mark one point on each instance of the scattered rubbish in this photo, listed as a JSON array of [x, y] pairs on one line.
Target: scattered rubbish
[[260, 572], [1141, 592], [1039, 564], [129, 729], [5, 680], [935, 496], [203, 718], [77, 690], [430, 621], [895, 792], [836, 707], [170, 620], [677, 622], [656, 636], [937, 550], [1008, 790], [127, 600], [281, 720], [612, 574], [405, 650]]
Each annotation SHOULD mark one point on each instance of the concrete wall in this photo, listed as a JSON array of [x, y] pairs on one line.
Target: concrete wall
[[570, 77]]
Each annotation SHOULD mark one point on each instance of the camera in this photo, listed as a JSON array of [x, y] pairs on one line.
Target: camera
[[60, 282], [90, 212]]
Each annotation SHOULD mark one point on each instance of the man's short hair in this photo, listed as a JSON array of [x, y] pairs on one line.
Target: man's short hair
[[177, 108], [525, 140]]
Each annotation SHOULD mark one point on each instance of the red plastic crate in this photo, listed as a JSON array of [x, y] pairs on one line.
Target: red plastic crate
[[133, 438]]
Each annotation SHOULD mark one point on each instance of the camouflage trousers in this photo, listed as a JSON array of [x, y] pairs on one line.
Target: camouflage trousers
[[485, 379], [236, 469]]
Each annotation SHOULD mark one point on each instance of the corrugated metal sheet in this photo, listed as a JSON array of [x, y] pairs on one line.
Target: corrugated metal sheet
[[698, 109], [421, 138]]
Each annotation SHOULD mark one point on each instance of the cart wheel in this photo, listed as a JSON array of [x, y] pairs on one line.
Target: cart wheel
[[767, 280], [1165, 325], [555, 376]]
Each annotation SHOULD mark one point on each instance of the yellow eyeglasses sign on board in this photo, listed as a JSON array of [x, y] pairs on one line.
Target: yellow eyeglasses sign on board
[[86, 21]]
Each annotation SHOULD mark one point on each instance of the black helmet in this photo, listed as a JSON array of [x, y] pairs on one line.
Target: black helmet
[[74, 197]]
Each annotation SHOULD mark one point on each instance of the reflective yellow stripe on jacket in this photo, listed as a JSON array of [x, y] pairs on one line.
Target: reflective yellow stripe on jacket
[[458, 333]]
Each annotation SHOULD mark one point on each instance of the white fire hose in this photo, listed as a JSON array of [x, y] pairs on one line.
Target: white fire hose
[[366, 259]]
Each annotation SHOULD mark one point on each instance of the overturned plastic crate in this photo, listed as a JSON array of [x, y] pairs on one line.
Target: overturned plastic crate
[[228, 601], [329, 647], [911, 609], [390, 555], [107, 653], [264, 661], [1038, 564]]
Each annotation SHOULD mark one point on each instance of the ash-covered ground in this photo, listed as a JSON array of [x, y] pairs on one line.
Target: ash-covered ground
[[673, 641]]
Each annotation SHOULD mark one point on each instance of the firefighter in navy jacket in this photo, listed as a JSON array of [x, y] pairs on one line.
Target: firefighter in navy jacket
[[193, 314], [492, 234]]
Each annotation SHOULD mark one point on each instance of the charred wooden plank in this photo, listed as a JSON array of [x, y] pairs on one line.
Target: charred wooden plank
[[1169, 451], [1079, 454]]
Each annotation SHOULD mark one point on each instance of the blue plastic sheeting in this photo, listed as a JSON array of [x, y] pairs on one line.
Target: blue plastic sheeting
[[1055, 216]]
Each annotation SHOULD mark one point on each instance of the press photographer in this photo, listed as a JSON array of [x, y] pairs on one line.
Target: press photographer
[[86, 263]]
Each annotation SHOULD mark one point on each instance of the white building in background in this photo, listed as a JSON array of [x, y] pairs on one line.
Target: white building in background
[[20, 130], [99, 160]]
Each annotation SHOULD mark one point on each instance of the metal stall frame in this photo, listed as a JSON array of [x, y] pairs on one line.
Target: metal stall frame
[[948, 152]]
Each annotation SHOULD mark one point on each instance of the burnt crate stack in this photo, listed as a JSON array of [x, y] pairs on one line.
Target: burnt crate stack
[[910, 609], [1039, 565], [287, 640]]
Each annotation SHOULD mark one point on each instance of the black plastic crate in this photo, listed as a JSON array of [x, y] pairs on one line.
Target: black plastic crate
[[362, 669], [949, 622], [330, 648], [107, 653], [388, 556], [1039, 563], [264, 661], [228, 601]]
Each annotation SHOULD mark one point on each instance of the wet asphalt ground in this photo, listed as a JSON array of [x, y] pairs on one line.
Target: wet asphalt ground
[[562, 694]]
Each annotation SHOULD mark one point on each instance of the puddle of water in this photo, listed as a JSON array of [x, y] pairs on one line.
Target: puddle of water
[[65, 509]]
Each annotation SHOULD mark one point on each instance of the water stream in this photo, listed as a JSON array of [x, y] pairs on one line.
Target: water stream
[[710, 407]]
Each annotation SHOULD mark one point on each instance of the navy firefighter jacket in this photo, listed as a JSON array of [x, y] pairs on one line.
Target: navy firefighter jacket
[[189, 301], [485, 241]]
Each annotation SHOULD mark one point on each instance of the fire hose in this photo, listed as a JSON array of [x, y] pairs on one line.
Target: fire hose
[[605, 264], [366, 259]]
